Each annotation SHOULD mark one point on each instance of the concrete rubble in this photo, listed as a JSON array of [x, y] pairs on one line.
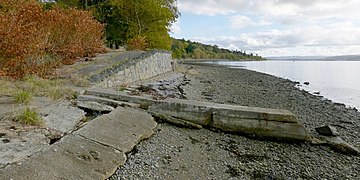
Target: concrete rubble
[[251, 120], [61, 116], [327, 131]]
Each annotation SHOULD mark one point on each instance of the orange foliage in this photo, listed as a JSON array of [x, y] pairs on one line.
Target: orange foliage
[[137, 43], [30, 37]]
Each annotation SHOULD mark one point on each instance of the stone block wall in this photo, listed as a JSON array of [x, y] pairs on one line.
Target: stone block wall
[[147, 65]]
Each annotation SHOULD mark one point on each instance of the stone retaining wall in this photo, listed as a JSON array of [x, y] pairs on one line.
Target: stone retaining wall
[[145, 66]]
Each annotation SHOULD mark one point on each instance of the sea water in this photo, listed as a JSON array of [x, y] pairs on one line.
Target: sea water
[[338, 81]]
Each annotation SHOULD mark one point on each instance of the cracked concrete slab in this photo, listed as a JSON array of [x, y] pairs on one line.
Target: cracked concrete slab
[[93, 152], [73, 157], [61, 116], [122, 129]]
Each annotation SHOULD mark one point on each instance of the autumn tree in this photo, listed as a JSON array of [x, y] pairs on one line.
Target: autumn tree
[[133, 20]]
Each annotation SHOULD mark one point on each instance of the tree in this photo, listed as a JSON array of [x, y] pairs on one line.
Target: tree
[[130, 19], [188, 49], [150, 18]]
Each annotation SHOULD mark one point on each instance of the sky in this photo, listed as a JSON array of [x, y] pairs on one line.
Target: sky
[[273, 27]]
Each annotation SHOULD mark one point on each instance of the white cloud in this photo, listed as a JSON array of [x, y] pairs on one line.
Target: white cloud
[[211, 7], [308, 40], [301, 27], [281, 11], [240, 21]]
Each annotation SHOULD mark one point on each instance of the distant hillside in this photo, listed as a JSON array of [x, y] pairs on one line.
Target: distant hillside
[[316, 58], [343, 58], [297, 58], [185, 49]]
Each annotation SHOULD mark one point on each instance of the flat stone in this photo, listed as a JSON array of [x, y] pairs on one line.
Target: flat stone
[[61, 116], [73, 157], [94, 106], [327, 131], [122, 129]]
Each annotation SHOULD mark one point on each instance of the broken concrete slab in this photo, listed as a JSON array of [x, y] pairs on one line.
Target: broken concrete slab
[[176, 121], [120, 96], [106, 101], [94, 106], [93, 152], [340, 145], [249, 120], [193, 111], [261, 127], [61, 116], [252, 120], [73, 157], [18, 148], [327, 131], [122, 129]]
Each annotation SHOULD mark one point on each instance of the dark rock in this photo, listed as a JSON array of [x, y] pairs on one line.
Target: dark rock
[[6, 140], [317, 92], [306, 83], [2, 135], [327, 131]]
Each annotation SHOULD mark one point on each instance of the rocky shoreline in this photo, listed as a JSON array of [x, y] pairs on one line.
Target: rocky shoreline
[[183, 153]]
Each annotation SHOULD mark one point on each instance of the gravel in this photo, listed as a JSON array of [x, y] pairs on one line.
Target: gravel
[[181, 153]]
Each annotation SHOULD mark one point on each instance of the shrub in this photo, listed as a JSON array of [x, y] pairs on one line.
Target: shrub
[[34, 40], [137, 43], [29, 117], [73, 33]]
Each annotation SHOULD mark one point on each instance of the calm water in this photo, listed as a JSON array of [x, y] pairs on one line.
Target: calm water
[[338, 81]]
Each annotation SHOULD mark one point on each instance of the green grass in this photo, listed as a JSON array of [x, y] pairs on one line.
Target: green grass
[[23, 97], [25, 89], [29, 117]]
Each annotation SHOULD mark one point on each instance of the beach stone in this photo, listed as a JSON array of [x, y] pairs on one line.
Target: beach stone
[[94, 106], [327, 131]]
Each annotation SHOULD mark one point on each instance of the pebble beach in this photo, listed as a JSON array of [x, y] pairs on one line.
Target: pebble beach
[[182, 153]]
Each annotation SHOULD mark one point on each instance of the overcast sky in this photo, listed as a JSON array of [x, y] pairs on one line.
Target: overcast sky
[[273, 27]]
